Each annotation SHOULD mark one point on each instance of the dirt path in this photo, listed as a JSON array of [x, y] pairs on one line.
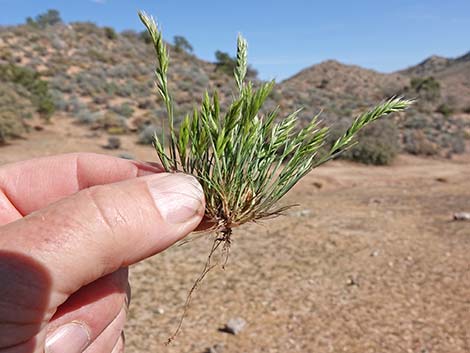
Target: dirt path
[[370, 262]]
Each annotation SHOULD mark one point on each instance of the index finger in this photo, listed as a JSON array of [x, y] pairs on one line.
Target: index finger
[[33, 184]]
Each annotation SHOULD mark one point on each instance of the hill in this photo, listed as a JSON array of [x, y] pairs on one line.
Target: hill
[[452, 73], [105, 79]]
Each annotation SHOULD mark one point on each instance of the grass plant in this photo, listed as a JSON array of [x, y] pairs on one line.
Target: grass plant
[[246, 161]]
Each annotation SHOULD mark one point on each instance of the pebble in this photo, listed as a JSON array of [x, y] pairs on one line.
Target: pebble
[[113, 143], [462, 216], [126, 156], [217, 348], [235, 326], [303, 213]]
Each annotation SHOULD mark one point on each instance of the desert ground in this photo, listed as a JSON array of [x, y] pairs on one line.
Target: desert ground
[[370, 261]]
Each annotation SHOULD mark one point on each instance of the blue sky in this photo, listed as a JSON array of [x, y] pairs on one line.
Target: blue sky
[[286, 36]]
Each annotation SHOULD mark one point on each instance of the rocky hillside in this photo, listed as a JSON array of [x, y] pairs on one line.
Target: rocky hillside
[[452, 73], [105, 79]]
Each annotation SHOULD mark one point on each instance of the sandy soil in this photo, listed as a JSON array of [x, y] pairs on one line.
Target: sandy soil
[[370, 261]]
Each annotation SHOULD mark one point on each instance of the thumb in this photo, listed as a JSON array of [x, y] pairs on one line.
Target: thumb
[[98, 230]]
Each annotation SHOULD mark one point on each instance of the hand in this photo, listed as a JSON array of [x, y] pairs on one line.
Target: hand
[[69, 227]]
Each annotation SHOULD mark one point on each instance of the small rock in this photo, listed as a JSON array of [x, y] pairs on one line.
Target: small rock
[[303, 213], [234, 326], [317, 184], [462, 216], [160, 311], [375, 201], [352, 281], [374, 253], [113, 143], [442, 179], [126, 156], [217, 348]]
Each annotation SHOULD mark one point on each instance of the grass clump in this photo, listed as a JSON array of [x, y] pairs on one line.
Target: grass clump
[[245, 161]]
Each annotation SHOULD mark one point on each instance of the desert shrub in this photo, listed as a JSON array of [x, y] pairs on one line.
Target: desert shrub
[[378, 143], [124, 109], [445, 109], [87, 117], [86, 28], [100, 99], [147, 133], [110, 33], [58, 44], [125, 89], [59, 100], [130, 34], [30, 80], [75, 105], [110, 88], [145, 104], [10, 126], [182, 44], [13, 110], [145, 37], [416, 121], [226, 63], [427, 87], [101, 56], [49, 18], [113, 123], [416, 142]]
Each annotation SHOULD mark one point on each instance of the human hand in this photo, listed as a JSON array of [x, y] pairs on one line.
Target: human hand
[[69, 227]]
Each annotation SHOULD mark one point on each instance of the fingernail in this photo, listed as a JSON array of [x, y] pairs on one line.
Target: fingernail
[[70, 338], [178, 197], [147, 168]]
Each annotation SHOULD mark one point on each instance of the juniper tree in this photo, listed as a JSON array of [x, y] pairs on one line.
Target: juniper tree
[[246, 161]]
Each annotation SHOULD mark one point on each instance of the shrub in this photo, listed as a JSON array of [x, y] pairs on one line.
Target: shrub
[[49, 18], [110, 33], [113, 123], [13, 110], [75, 105], [416, 142], [445, 109], [378, 143], [428, 87], [145, 37], [87, 117], [182, 44], [226, 63], [147, 133], [124, 109], [29, 79]]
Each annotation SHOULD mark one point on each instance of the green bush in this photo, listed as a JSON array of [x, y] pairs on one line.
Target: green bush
[[124, 109], [379, 143], [30, 80], [416, 142], [427, 87], [182, 44], [226, 63], [445, 109], [147, 134], [110, 33], [14, 109], [49, 18]]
